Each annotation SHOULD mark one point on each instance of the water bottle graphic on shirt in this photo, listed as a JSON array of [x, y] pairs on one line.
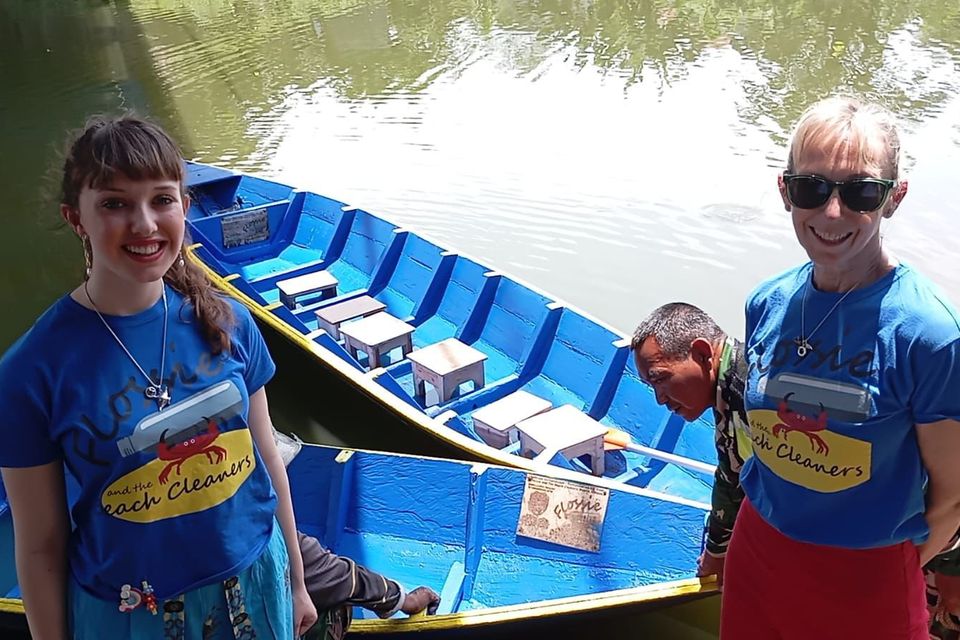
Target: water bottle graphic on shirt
[[184, 419]]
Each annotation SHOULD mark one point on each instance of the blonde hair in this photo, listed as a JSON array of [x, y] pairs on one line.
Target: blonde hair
[[868, 126]]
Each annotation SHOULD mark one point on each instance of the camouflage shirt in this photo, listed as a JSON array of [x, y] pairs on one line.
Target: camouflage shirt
[[730, 417]]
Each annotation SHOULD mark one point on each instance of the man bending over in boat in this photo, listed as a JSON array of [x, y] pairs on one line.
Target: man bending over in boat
[[336, 584], [692, 365]]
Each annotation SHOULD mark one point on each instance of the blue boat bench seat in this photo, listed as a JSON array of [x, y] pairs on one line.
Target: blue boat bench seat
[[500, 424], [530, 426]]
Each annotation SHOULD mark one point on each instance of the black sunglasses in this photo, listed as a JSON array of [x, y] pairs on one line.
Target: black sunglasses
[[861, 194]]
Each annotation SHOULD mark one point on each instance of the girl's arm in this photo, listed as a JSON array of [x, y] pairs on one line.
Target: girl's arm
[[939, 447], [41, 529], [304, 613]]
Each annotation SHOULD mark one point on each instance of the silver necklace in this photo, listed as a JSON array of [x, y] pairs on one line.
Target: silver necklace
[[803, 340], [156, 391]]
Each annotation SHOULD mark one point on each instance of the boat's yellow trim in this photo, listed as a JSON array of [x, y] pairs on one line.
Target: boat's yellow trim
[[501, 615], [272, 306], [541, 609], [11, 605], [370, 388]]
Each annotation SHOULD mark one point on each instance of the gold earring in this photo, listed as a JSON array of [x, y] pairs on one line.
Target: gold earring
[[87, 254]]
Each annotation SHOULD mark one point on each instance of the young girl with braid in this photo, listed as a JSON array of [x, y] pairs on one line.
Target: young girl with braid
[[148, 388]]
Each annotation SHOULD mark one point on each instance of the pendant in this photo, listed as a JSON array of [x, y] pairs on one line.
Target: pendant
[[158, 393], [803, 347]]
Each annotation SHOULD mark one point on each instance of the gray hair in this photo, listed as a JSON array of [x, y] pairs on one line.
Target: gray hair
[[675, 326]]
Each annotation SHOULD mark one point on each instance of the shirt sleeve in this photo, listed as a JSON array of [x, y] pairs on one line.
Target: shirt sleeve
[[25, 403], [750, 314], [727, 493], [253, 350], [936, 380], [724, 506], [333, 581]]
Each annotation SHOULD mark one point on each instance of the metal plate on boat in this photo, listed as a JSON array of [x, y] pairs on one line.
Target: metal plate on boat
[[244, 228], [563, 512]]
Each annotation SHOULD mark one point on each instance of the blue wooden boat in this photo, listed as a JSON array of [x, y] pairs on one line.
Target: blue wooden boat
[[453, 526], [278, 249]]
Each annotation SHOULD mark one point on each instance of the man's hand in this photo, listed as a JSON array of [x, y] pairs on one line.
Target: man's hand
[[419, 599], [949, 587], [708, 565]]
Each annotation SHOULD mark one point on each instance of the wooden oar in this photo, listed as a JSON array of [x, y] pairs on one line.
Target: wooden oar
[[621, 440]]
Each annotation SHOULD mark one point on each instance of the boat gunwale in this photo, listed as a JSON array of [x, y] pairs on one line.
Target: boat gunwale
[[542, 608]]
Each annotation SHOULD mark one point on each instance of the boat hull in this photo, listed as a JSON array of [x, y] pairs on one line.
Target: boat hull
[[455, 527]]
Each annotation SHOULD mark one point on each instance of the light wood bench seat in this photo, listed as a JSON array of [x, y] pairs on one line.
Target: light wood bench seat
[[496, 423], [565, 430], [446, 365], [330, 318], [322, 282], [376, 336]]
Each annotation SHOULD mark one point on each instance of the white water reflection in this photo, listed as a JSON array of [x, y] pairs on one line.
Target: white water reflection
[[617, 156], [611, 194]]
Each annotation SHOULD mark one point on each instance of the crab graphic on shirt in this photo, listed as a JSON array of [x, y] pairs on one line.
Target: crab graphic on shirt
[[794, 421], [796, 441], [180, 452], [199, 453]]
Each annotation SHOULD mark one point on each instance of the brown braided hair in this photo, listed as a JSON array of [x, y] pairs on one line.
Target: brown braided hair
[[139, 149]]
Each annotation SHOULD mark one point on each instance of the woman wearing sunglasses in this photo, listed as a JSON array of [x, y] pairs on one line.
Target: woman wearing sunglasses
[[853, 399]]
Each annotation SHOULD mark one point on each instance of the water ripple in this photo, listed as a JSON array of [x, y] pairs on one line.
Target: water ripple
[[588, 150]]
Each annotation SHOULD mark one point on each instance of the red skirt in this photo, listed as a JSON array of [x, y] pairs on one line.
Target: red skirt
[[776, 588]]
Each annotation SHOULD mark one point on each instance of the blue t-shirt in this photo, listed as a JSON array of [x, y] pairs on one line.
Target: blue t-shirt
[[179, 498], [836, 460]]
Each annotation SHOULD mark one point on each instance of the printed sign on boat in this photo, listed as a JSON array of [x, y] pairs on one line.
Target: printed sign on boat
[[563, 512], [244, 228]]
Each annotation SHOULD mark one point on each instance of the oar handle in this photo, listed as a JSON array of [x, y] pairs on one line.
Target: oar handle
[[672, 458]]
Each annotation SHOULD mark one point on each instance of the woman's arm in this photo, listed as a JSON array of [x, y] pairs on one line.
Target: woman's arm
[[41, 529], [305, 614], [939, 448]]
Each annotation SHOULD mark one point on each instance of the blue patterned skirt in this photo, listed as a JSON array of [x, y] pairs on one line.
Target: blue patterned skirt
[[256, 604]]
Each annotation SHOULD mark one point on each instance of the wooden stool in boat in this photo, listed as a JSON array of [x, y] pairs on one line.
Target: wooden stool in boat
[[376, 336], [496, 423], [565, 430], [330, 318], [446, 365], [322, 282]]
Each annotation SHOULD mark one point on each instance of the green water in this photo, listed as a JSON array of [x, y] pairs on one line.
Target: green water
[[616, 154]]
